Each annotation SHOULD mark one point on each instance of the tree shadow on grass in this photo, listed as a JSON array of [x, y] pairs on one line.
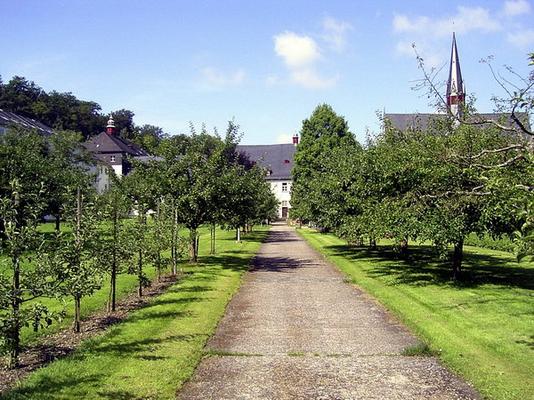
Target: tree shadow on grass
[[421, 266], [47, 386], [528, 342], [153, 315], [129, 348]]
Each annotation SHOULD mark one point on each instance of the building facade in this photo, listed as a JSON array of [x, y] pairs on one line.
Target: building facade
[[277, 160], [112, 153]]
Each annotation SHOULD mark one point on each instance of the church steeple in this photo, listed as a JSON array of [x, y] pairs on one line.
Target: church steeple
[[455, 84]]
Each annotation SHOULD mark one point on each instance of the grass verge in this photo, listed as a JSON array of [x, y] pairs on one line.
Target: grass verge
[[157, 348], [482, 327]]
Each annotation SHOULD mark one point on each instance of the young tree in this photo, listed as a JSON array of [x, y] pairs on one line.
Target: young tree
[[22, 284], [74, 258], [142, 188], [23, 173], [115, 252]]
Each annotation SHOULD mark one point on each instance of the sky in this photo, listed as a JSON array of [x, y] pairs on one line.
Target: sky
[[265, 64]]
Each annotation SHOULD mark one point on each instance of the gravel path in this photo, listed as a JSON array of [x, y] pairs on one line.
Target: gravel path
[[296, 330]]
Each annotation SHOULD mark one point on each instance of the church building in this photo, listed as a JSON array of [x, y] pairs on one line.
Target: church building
[[455, 103]]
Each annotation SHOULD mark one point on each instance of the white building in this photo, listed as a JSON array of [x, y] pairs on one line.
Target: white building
[[113, 152], [277, 159]]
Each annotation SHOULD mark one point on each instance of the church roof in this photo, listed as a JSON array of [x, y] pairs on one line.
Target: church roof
[[8, 118], [106, 143], [418, 121], [276, 158]]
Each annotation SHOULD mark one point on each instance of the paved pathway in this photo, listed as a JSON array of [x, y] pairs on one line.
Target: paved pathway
[[296, 330]]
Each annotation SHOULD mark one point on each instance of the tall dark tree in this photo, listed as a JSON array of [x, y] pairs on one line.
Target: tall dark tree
[[320, 135]]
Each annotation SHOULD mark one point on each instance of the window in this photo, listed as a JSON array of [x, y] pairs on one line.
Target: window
[[284, 186], [112, 159], [284, 203]]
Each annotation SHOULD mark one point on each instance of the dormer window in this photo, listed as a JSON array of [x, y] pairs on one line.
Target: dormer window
[[112, 159]]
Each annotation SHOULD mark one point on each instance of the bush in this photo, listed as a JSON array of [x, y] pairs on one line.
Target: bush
[[504, 243]]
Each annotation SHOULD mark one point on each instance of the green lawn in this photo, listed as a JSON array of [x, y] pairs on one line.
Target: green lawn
[[482, 328], [156, 348]]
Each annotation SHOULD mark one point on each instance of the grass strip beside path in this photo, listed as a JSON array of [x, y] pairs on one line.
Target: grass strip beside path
[[482, 328], [157, 348]]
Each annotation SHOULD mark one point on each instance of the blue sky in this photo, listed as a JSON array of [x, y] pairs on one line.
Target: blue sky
[[266, 64]]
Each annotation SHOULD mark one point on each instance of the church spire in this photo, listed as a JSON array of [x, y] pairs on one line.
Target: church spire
[[455, 84]]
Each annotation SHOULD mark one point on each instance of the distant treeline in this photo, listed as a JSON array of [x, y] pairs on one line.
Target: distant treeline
[[64, 111]]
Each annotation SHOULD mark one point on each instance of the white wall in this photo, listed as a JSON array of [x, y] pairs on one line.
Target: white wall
[[276, 187]]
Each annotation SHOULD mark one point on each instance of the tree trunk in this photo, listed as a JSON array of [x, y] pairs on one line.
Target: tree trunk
[[14, 332], [193, 245], [372, 243], [140, 273], [113, 283], [174, 239], [403, 246], [457, 259], [142, 222], [77, 314], [238, 234], [212, 238], [58, 222]]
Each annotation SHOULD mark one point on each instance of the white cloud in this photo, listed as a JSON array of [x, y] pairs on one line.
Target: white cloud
[[516, 7], [214, 78], [296, 50], [523, 39], [335, 33], [284, 138], [465, 20], [300, 53]]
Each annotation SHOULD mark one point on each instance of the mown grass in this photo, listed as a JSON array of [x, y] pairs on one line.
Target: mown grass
[[156, 348], [481, 327]]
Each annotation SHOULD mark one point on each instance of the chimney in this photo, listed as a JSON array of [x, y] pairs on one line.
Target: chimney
[[110, 128], [295, 139]]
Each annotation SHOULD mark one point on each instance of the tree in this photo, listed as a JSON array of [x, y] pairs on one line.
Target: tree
[[320, 135], [74, 258], [196, 174], [497, 163], [159, 239], [124, 122], [67, 162], [142, 188], [115, 253], [22, 201]]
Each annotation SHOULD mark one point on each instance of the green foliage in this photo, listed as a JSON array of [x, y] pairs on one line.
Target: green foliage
[[23, 174], [321, 135], [73, 259], [503, 243], [64, 111]]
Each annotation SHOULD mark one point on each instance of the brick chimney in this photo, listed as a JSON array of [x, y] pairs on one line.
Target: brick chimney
[[295, 139], [110, 128]]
